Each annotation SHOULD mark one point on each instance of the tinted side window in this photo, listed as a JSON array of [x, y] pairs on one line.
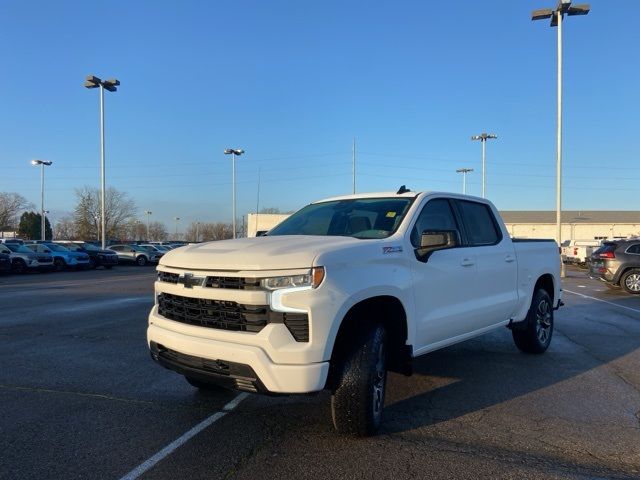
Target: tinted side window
[[479, 223], [436, 215], [116, 249], [634, 249]]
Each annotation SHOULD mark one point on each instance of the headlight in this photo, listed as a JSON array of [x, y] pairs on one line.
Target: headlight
[[33, 262], [313, 278]]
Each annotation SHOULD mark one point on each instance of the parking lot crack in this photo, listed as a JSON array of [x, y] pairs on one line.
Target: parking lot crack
[[70, 392]]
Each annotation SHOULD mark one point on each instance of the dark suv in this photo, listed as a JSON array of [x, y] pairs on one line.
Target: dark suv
[[618, 264]]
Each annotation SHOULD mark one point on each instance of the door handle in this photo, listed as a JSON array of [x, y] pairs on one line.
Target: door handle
[[509, 258], [467, 262]]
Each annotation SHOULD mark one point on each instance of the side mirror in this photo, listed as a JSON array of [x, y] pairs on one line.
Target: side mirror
[[432, 241]]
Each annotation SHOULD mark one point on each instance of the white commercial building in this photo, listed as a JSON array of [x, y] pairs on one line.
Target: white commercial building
[[576, 225]]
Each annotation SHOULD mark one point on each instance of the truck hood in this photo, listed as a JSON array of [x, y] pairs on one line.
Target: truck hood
[[260, 253]]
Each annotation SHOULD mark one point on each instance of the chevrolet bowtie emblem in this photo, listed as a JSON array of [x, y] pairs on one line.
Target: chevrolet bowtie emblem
[[189, 281]]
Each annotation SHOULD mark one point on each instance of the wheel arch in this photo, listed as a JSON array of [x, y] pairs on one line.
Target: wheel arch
[[385, 309], [545, 282]]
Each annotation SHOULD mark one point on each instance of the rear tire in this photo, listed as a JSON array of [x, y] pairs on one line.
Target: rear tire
[[141, 260], [630, 281], [358, 401], [535, 336], [204, 386], [108, 267]]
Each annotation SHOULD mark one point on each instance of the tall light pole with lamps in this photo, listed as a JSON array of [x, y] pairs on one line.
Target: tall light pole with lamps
[[233, 152], [148, 213], [177, 219], [110, 85], [464, 172], [483, 137], [42, 164], [557, 15]]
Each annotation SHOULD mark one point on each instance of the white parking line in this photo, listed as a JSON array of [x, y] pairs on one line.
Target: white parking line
[[603, 301], [178, 442]]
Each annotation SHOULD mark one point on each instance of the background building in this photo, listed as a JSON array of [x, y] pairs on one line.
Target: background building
[[576, 225]]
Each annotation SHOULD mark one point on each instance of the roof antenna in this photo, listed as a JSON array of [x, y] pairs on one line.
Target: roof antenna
[[402, 189]]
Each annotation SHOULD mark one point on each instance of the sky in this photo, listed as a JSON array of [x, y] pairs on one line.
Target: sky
[[293, 83]]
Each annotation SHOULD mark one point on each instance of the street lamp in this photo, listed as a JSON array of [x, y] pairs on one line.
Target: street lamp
[[110, 85], [557, 15], [42, 164], [148, 212], [464, 172], [483, 137], [177, 219], [233, 152]]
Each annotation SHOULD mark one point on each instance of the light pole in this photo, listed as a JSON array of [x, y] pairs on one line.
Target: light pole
[[564, 6], [483, 137], [42, 164], [464, 172], [233, 152], [111, 84], [177, 219], [197, 231], [148, 212]]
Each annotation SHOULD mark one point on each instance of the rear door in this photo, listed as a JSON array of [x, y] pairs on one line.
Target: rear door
[[496, 263]]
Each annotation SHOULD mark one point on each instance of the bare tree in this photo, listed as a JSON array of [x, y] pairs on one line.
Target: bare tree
[[65, 229], [270, 210], [119, 211], [205, 232], [157, 232], [11, 204]]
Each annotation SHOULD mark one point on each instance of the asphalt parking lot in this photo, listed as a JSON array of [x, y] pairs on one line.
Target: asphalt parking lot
[[80, 398]]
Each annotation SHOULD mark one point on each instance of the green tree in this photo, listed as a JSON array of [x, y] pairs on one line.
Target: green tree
[[30, 226]]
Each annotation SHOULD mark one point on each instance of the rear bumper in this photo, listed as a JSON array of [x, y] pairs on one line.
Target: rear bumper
[[243, 367]]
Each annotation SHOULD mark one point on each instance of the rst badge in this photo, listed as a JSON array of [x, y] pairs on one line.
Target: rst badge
[[396, 249]]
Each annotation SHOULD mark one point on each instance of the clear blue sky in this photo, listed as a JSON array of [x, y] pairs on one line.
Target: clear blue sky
[[293, 82]]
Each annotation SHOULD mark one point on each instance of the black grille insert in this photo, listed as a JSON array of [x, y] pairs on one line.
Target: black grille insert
[[168, 277], [234, 283], [220, 314]]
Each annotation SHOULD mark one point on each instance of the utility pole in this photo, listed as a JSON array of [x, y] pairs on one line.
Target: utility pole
[[233, 152], [557, 15], [353, 165], [148, 212]]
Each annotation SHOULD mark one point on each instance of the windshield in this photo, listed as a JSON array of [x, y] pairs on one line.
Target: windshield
[[358, 218], [18, 248], [57, 248]]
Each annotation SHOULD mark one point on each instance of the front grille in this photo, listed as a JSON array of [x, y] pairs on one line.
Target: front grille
[[227, 315], [168, 277], [220, 314], [234, 283]]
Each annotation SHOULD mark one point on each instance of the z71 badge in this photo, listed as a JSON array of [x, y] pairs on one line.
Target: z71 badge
[[386, 250]]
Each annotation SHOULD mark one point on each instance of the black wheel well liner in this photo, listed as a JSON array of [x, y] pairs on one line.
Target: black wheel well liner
[[546, 283], [384, 309]]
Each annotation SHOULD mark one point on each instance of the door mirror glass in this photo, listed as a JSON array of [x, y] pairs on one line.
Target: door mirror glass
[[432, 241]]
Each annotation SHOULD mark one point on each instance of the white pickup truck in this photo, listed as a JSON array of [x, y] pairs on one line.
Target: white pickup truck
[[346, 289], [578, 251]]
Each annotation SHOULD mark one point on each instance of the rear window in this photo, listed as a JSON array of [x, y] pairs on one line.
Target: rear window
[[634, 249], [479, 223]]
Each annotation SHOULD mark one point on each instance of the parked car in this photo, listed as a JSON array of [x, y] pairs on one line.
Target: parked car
[[578, 251], [5, 262], [63, 258], [162, 249], [24, 259], [346, 289], [135, 254], [97, 256], [617, 264]]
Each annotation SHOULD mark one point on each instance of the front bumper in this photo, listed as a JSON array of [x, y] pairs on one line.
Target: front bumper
[[244, 367]]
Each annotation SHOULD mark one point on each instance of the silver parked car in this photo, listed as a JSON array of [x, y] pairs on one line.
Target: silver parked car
[[136, 254]]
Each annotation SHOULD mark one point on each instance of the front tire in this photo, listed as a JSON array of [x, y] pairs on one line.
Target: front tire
[[630, 281], [358, 401], [59, 264], [535, 336], [141, 261], [19, 267]]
